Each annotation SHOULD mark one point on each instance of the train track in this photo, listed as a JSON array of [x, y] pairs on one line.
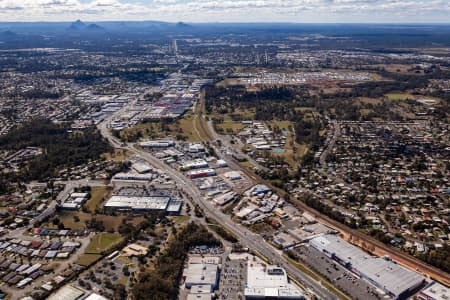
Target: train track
[[397, 255]]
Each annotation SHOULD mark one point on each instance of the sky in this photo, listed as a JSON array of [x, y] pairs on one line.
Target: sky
[[196, 11]]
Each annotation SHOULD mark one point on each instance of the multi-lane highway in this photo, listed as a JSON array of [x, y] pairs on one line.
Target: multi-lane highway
[[245, 236]]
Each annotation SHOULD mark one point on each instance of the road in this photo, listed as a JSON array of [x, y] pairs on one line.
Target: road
[[369, 242], [336, 134], [246, 237], [361, 238]]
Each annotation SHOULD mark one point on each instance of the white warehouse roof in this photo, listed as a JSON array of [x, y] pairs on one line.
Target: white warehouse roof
[[138, 202], [269, 281], [381, 272]]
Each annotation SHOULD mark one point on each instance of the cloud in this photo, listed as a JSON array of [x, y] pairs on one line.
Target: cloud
[[229, 10]]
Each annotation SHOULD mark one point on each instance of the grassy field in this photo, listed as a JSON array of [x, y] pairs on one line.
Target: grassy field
[[146, 130], [182, 127], [123, 280], [365, 111], [398, 96], [102, 242], [246, 164], [228, 122], [180, 219], [87, 259], [97, 196], [124, 260], [185, 128], [235, 127], [110, 222], [118, 155], [303, 109]]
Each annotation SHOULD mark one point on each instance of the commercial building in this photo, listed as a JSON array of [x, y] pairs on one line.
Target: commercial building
[[269, 282], [133, 177], [201, 173], [157, 144], [195, 164], [202, 272], [74, 201], [395, 280], [143, 203], [68, 292], [195, 148], [121, 202], [174, 207], [134, 250], [142, 168], [285, 241], [233, 175], [222, 163], [200, 292], [224, 199], [434, 291], [95, 296]]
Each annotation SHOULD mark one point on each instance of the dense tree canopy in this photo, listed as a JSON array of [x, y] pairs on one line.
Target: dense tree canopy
[[61, 147], [162, 282]]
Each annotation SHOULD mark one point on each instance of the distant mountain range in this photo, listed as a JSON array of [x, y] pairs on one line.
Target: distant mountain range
[[23, 31], [78, 25], [8, 33]]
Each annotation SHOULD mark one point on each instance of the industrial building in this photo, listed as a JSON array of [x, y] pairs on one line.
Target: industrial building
[[222, 163], [233, 175], [95, 296], [142, 168], [196, 148], [194, 164], [269, 282], [135, 178], [71, 292], [200, 292], [397, 281], [202, 271], [285, 241], [201, 173], [74, 201], [68, 292], [157, 144], [434, 291], [144, 203], [225, 198]]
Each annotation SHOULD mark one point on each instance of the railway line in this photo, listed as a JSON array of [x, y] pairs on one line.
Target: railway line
[[358, 238]]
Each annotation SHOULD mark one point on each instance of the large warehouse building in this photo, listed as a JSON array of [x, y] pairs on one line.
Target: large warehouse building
[[202, 271], [395, 280], [144, 203], [434, 291], [269, 282]]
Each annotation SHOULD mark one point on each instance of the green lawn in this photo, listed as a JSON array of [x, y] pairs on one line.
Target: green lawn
[[87, 259], [97, 195], [180, 219], [236, 127], [102, 242], [398, 96], [246, 164], [186, 124], [123, 280], [117, 155]]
